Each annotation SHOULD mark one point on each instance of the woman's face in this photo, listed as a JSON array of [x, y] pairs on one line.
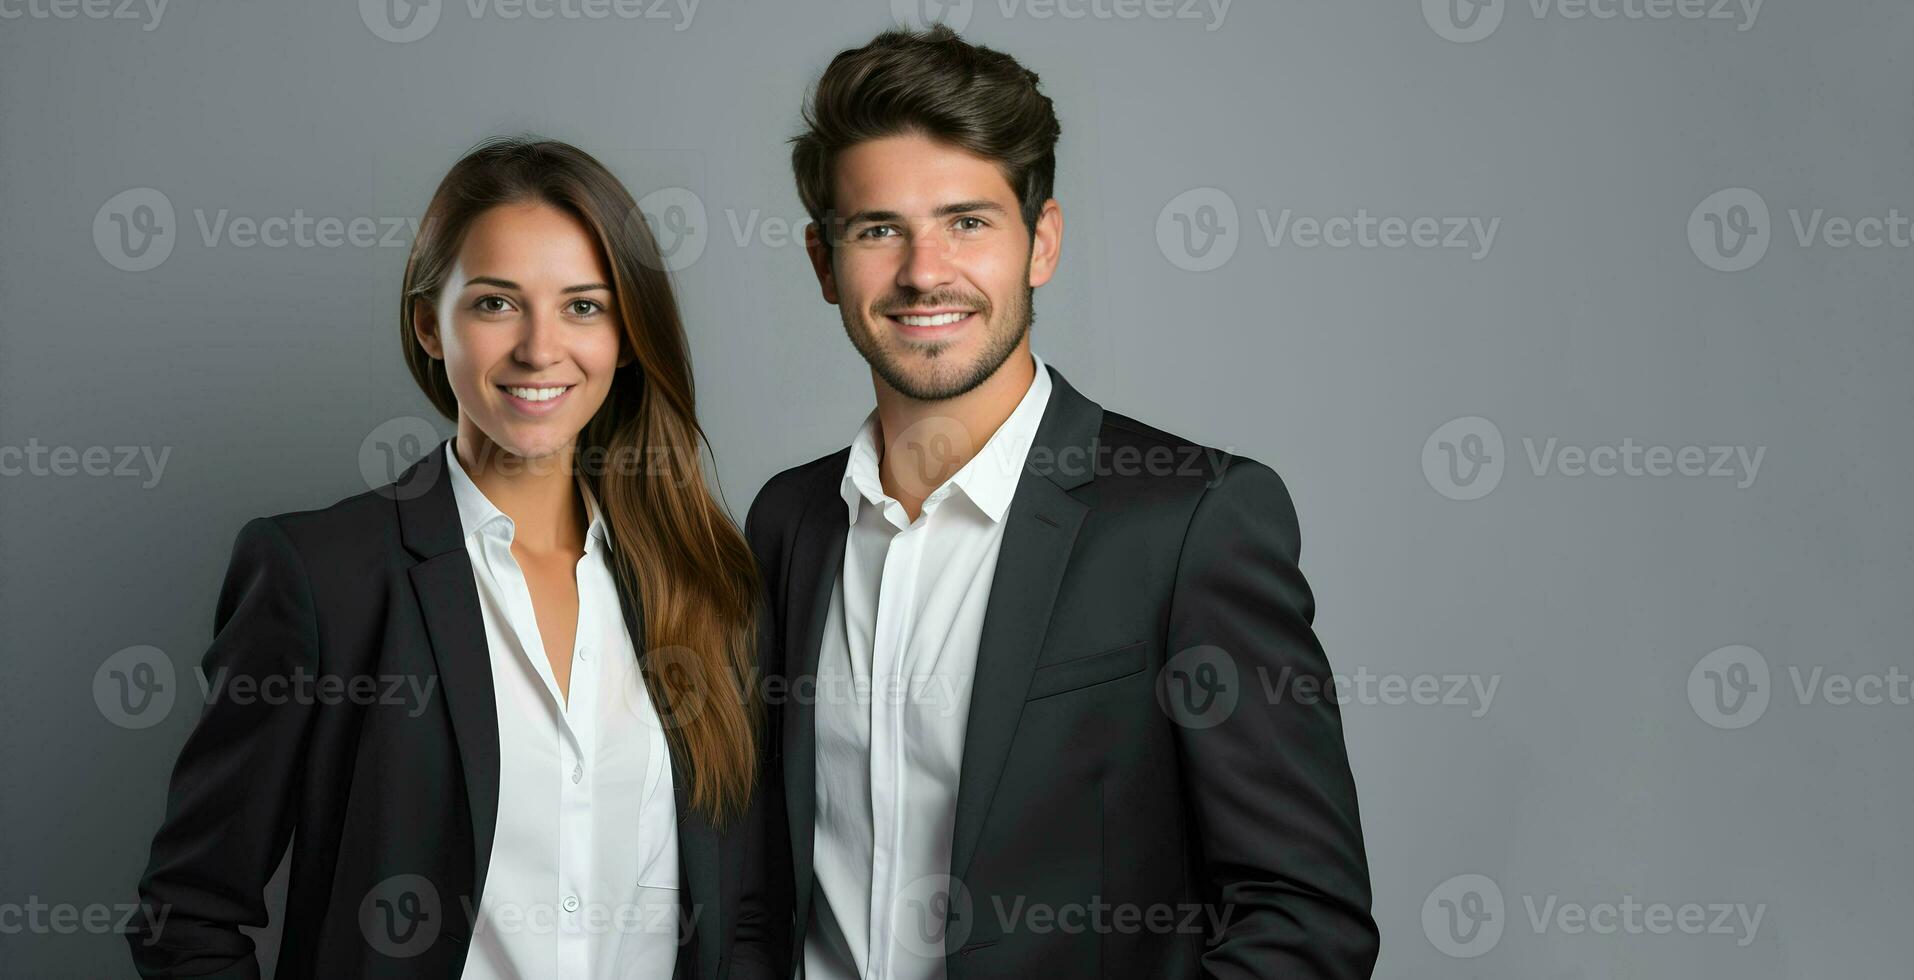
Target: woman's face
[[529, 331]]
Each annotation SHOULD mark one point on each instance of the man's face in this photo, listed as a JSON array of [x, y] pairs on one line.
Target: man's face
[[933, 268]]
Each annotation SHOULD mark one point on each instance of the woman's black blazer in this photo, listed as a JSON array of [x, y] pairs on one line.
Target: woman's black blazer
[[384, 772]]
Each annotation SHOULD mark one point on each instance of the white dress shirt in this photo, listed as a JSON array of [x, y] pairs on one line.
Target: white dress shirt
[[894, 680], [583, 879]]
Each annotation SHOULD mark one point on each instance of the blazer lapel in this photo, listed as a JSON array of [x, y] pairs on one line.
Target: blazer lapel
[[817, 557], [448, 599], [1039, 531]]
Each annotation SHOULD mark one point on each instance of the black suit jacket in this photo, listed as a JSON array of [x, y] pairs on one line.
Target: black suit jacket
[[389, 798], [1097, 785]]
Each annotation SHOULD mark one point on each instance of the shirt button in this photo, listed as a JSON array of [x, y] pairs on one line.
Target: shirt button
[[578, 772], [583, 652], [571, 903]]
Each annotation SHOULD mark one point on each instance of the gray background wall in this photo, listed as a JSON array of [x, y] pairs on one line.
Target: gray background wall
[[1622, 758]]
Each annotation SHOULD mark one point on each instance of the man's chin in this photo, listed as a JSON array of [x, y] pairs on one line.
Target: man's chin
[[930, 379], [929, 370]]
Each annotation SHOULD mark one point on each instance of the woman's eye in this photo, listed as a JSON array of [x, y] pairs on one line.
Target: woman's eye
[[492, 304], [584, 307]]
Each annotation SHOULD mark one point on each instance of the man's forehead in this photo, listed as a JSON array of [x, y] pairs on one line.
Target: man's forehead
[[915, 175]]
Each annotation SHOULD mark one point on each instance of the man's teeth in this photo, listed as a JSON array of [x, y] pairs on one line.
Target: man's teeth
[[931, 321], [537, 394]]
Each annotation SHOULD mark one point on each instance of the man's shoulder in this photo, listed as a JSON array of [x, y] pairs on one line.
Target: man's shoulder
[[784, 496], [1143, 457], [1145, 470]]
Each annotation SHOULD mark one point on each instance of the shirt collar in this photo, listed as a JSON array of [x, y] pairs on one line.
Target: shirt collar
[[989, 479], [478, 515]]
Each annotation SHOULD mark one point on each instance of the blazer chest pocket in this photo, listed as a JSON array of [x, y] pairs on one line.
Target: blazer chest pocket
[[1081, 672]]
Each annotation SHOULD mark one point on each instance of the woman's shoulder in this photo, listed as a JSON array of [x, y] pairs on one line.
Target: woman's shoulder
[[348, 535]]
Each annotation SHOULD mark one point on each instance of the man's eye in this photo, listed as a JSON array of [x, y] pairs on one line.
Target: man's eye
[[877, 231], [970, 222]]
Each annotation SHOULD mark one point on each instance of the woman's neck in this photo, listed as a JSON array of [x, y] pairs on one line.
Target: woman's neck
[[540, 494]]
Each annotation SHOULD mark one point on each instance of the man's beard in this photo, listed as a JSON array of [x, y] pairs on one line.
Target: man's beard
[[1006, 332]]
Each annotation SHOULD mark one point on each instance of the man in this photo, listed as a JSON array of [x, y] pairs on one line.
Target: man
[[1022, 733]]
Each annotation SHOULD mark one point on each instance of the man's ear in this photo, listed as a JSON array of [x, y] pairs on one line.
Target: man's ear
[[821, 262], [1046, 243], [425, 326]]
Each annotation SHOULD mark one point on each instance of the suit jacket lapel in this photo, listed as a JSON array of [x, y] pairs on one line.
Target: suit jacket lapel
[[818, 556], [1039, 531], [448, 600]]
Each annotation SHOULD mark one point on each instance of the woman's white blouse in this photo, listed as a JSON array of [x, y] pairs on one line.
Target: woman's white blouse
[[583, 879]]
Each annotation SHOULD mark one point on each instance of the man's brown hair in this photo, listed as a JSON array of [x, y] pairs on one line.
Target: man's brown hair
[[936, 84]]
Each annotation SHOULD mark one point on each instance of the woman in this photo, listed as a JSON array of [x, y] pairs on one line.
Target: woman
[[516, 736]]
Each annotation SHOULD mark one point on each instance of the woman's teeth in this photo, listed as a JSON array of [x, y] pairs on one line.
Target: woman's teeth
[[538, 394], [931, 321]]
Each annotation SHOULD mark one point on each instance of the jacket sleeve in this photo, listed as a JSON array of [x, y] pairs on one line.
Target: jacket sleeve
[[231, 802], [1269, 779]]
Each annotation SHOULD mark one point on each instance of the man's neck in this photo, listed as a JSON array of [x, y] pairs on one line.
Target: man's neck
[[939, 437]]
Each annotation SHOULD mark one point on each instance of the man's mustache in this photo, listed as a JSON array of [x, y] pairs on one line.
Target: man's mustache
[[902, 304]]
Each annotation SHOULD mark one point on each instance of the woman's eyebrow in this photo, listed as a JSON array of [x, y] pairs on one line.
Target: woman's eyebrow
[[508, 284]]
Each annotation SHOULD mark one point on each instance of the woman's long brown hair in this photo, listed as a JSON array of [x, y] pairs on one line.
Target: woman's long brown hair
[[676, 550]]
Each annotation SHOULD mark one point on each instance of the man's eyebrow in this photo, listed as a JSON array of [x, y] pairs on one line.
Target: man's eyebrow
[[863, 217], [968, 207], [508, 284], [942, 211]]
